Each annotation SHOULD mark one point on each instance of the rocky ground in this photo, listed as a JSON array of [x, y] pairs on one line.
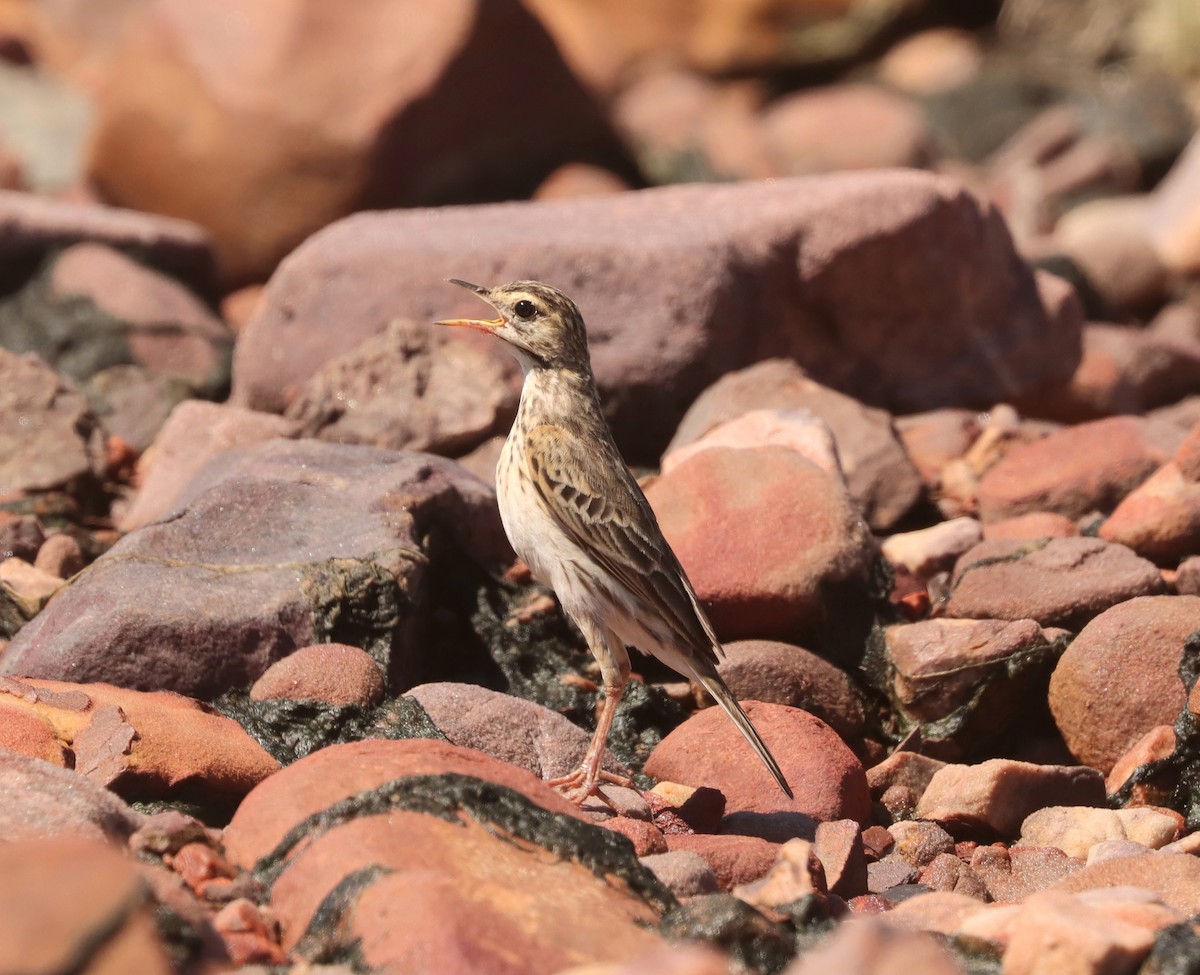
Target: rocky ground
[[895, 310]]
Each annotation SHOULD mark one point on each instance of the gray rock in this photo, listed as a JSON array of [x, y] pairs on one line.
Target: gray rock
[[274, 548]]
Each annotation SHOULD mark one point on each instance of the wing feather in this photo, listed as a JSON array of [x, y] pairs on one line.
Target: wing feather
[[596, 501]]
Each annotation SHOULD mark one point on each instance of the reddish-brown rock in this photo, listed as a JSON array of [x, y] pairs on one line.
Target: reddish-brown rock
[[73, 905], [267, 549], [764, 536], [721, 276], [828, 781], [1160, 519], [1013, 874], [1080, 469], [780, 673], [411, 387], [307, 116], [43, 801], [523, 733], [998, 794], [143, 745], [1120, 677], [194, 433], [1035, 524], [734, 859], [1058, 582], [876, 128], [1174, 877], [331, 673], [882, 480], [36, 225], [59, 440], [521, 903]]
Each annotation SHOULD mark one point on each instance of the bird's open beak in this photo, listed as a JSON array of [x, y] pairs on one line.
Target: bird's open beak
[[482, 325]]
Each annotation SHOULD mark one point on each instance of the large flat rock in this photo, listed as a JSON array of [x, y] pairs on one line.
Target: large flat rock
[[898, 287]]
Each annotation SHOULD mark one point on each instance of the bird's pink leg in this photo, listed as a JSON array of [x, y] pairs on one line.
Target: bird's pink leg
[[585, 780]]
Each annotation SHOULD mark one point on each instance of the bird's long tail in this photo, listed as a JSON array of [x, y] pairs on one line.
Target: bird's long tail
[[729, 704]]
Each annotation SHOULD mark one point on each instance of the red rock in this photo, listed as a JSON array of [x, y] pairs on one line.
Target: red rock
[[797, 873], [1109, 239], [883, 875], [378, 129], [998, 794], [1120, 677], [144, 745], [579, 179], [43, 801], [683, 873], [28, 582], [449, 925], [928, 551], [194, 433], [877, 841], [941, 912], [935, 439], [657, 347], [39, 225], [839, 847], [1083, 468], [1075, 830], [902, 768], [1154, 745], [799, 429], [882, 480], [163, 326], [645, 837], [324, 777], [1124, 370], [1173, 877], [268, 547], [332, 673], [1057, 582], [764, 536], [1012, 875], [780, 673], [21, 536], [876, 129], [411, 387], [249, 937], [827, 779], [59, 555], [59, 442], [436, 874], [523, 733], [918, 843], [932, 60], [940, 665], [55, 896], [1174, 218], [1058, 933], [734, 859], [239, 306], [947, 873], [1035, 524], [1160, 519]]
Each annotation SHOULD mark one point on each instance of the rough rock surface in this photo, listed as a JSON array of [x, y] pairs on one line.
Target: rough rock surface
[[754, 270], [270, 550], [1098, 709]]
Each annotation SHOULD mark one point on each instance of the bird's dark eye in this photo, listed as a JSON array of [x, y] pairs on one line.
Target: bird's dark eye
[[524, 309]]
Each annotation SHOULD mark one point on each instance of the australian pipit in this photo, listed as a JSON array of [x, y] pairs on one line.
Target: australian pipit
[[577, 517]]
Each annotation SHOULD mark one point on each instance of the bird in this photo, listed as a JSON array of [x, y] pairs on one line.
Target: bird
[[578, 519]]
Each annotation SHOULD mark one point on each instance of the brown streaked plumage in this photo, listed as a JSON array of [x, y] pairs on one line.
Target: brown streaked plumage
[[577, 517]]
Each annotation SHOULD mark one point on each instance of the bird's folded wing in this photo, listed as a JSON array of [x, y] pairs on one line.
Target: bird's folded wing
[[597, 502]]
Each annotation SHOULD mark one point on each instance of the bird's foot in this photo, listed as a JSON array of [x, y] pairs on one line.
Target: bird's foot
[[584, 783]]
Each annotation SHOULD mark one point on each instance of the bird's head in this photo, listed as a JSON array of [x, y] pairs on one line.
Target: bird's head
[[541, 324]]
